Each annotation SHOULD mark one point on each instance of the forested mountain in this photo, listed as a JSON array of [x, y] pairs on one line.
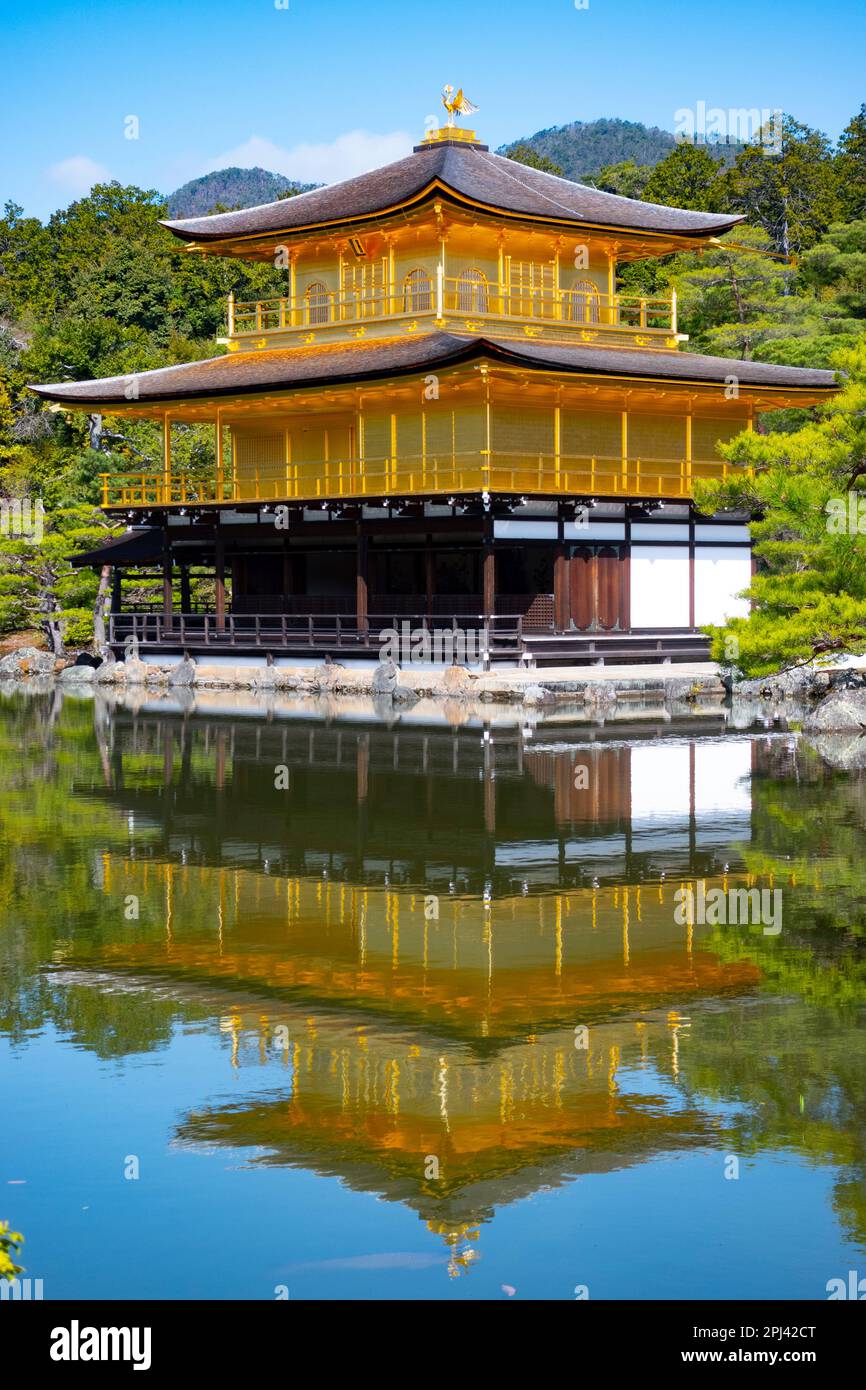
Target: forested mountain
[[230, 188], [584, 147]]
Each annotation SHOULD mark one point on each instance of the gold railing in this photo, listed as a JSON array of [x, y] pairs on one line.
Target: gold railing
[[337, 480], [575, 309]]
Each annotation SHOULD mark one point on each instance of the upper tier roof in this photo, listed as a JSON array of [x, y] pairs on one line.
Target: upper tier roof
[[295, 368], [468, 172]]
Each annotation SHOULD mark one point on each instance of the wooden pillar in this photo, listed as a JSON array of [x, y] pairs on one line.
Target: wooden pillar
[[166, 458], [220, 578], [624, 473], [488, 584], [220, 462], [691, 571], [561, 587], [185, 601], [361, 584], [116, 589], [429, 577], [167, 603], [288, 577]]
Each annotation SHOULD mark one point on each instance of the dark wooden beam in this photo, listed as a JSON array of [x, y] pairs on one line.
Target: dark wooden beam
[[220, 578], [488, 570], [362, 585]]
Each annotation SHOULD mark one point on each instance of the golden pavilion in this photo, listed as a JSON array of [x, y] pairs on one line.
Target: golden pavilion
[[452, 417]]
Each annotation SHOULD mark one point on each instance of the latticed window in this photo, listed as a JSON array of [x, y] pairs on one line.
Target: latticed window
[[417, 292], [317, 302], [472, 297], [582, 302]]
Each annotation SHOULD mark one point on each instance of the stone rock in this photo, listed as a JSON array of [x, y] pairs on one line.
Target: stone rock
[[538, 695], [264, 678], [88, 659], [798, 683], [456, 678], [135, 671], [844, 752], [111, 673], [285, 679], [326, 676], [405, 695], [604, 692], [26, 661], [78, 675], [384, 680], [223, 677], [183, 673], [843, 710]]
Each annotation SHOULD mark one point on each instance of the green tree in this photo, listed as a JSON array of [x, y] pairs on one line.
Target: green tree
[[836, 270], [39, 587], [525, 154], [688, 178], [627, 179], [793, 194], [10, 1244], [809, 593], [731, 299], [851, 168]]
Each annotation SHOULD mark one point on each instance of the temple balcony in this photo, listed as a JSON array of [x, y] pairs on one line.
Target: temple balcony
[[465, 303], [473, 472]]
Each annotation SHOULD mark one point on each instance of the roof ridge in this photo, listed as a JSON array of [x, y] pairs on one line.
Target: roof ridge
[[295, 198]]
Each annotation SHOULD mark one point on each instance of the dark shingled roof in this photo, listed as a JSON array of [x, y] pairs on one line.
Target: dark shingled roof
[[285, 368], [133, 547], [468, 171]]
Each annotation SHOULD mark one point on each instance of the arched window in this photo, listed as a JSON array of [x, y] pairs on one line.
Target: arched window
[[417, 292], [472, 292], [318, 302], [582, 302]]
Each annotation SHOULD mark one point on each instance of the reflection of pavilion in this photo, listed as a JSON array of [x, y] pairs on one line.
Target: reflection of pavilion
[[344, 892], [477, 970], [374, 1108], [453, 811], [421, 959]]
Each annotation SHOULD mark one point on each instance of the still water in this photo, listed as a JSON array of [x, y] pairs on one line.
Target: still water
[[316, 1005]]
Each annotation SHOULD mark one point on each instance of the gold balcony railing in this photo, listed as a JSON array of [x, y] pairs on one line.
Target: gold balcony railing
[[478, 300], [342, 480], [578, 308]]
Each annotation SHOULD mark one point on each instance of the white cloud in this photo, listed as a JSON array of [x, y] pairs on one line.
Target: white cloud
[[78, 174], [353, 153]]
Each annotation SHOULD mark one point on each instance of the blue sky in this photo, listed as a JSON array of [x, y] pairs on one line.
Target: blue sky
[[322, 89]]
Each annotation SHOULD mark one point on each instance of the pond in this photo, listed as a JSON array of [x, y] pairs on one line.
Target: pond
[[317, 1003]]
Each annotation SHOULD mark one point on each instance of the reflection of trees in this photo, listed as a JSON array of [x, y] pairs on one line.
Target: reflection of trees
[[51, 844], [796, 1075], [800, 1064], [808, 834]]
